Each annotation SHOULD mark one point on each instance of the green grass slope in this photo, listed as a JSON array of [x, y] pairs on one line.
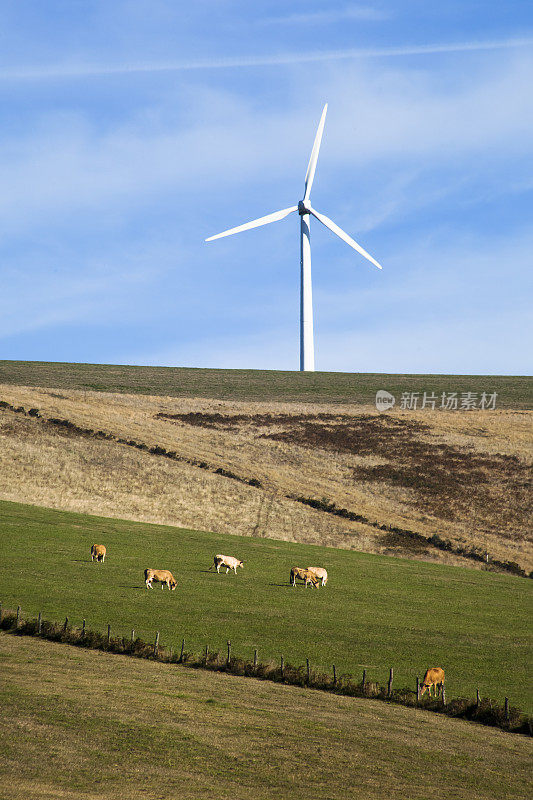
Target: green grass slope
[[80, 724], [375, 613], [272, 385]]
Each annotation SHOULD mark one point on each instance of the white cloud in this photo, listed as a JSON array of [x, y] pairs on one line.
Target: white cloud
[[85, 70]]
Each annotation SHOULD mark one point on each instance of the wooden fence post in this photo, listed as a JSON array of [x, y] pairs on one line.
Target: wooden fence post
[[229, 653], [0, 612], [39, 623], [364, 678], [182, 649], [443, 696], [156, 644], [389, 688], [308, 671], [477, 698], [206, 652], [132, 635], [108, 633], [507, 709], [18, 615], [83, 628], [65, 624], [255, 659], [334, 676], [417, 689], [282, 667]]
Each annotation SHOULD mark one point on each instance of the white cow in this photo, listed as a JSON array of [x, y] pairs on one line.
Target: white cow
[[227, 561], [321, 573]]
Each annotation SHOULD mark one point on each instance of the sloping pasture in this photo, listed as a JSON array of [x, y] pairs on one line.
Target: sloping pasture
[[85, 724], [375, 613]]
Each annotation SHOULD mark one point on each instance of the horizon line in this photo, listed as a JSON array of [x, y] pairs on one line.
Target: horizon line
[[95, 70]]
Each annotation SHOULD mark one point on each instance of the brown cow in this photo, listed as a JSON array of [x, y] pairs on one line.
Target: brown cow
[[162, 576], [304, 575], [433, 677], [98, 551]]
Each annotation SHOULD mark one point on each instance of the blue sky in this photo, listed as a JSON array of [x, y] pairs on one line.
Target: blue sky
[[131, 131]]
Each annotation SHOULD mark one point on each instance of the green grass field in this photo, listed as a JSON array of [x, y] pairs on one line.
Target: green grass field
[[375, 612], [257, 385], [85, 724]]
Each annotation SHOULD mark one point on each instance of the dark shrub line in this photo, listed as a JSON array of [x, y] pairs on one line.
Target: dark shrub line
[[481, 710], [66, 424], [434, 541], [320, 505]]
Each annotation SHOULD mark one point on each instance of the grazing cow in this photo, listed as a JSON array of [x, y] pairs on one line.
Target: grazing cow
[[321, 573], [304, 575], [227, 561], [98, 551], [433, 677], [161, 576]]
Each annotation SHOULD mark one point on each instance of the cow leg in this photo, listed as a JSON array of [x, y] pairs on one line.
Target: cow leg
[[218, 568]]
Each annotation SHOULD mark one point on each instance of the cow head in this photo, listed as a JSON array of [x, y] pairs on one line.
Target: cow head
[[173, 584], [241, 564]]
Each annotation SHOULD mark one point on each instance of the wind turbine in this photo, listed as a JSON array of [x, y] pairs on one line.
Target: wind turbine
[[305, 209]]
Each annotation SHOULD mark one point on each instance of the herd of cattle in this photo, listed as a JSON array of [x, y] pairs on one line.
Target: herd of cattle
[[310, 576]]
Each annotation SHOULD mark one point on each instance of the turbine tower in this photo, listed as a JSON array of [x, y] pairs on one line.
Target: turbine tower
[[305, 209]]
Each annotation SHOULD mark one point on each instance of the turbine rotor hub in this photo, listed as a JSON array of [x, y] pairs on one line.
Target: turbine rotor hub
[[303, 208]]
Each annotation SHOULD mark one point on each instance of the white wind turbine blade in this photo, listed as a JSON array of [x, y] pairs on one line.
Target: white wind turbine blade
[[256, 223], [344, 236], [310, 174]]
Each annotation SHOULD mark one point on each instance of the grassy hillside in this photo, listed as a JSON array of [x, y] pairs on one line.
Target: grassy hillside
[[375, 613], [406, 480], [249, 385], [110, 727]]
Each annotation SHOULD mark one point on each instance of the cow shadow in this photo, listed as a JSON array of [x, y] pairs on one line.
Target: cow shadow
[[283, 585]]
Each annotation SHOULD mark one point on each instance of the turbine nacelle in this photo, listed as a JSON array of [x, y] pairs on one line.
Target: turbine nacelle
[[304, 207]]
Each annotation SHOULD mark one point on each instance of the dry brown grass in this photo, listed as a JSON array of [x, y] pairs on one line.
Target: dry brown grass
[[461, 475]]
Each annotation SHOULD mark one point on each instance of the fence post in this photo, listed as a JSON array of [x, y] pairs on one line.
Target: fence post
[[0, 612], [477, 698], [417, 689], [108, 633], [308, 671], [65, 624], [18, 615], [83, 628], [39, 623], [334, 676], [255, 659], [132, 635], [182, 649], [156, 644], [206, 652], [364, 678], [507, 709], [282, 666], [229, 653], [443, 696], [389, 688]]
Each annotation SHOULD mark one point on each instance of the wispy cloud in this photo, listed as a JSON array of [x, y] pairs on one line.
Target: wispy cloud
[[331, 15], [72, 71]]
